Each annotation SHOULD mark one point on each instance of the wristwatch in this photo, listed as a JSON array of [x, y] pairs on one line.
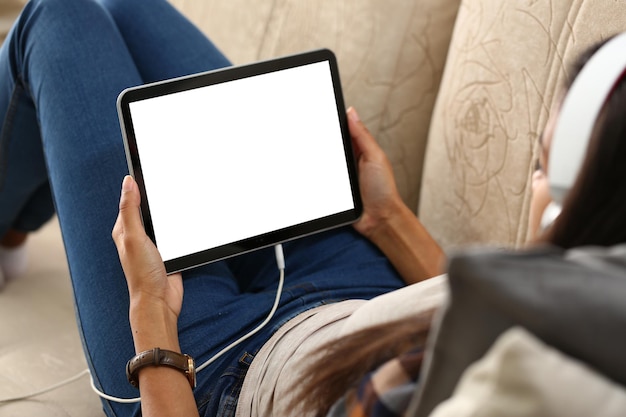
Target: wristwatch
[[161, 357]]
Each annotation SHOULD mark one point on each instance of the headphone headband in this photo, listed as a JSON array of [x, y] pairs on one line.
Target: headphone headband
[[579, 112]]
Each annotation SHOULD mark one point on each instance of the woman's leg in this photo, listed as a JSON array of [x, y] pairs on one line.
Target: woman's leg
[[25, 202], [62, 66], [61, 69], [164, 44]]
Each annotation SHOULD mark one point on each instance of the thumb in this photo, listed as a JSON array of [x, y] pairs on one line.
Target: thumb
[[363, 141], [129, 216]]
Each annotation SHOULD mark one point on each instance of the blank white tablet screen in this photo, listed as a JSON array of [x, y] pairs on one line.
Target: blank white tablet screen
[[235, 160]]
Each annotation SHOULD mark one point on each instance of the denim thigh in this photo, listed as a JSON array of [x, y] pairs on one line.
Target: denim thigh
[[324, 268]]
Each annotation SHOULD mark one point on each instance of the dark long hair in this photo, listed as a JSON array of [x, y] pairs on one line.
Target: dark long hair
[[337, 367], [594, 210]]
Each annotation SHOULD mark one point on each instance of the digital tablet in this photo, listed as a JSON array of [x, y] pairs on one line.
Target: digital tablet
[[233, 160]]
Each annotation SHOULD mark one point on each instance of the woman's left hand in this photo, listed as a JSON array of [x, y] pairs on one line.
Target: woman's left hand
[[381, 199], [386, 220], [148, 283]]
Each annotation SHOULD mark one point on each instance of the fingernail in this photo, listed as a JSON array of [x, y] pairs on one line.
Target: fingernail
[[127, 184], [352, 114]]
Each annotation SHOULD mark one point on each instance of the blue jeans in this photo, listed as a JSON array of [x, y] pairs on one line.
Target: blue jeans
[[61, 69]]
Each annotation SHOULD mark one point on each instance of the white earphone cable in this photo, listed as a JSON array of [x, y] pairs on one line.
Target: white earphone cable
[[280, 260], [48, 389]]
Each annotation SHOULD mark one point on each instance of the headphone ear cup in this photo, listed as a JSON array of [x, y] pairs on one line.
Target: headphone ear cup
[[552, 211], [579, 112]]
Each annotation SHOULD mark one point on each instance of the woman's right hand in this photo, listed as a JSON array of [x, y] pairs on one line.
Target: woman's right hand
[[155, 298], [155, 304], [379, 192]]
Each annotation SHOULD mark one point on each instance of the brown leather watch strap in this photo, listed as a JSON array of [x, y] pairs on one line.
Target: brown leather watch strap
[[161, 357]]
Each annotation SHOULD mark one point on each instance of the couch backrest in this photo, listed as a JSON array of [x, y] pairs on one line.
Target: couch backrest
[[507, 61], [391, 56]]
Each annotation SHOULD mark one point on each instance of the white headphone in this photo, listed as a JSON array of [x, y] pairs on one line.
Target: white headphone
[[577, 118]]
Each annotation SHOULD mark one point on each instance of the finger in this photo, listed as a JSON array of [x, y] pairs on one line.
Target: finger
[[363, 140]]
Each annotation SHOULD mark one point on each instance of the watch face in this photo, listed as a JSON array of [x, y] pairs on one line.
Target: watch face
[[191, 371]]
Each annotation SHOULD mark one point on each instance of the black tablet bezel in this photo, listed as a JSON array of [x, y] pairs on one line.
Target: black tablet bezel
[[220, 76]]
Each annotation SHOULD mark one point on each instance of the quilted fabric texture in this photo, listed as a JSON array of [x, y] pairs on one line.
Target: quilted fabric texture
[[507, 60], [391, 56]]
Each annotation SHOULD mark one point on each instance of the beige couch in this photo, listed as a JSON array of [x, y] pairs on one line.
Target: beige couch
[[504, 62], [457, 93]]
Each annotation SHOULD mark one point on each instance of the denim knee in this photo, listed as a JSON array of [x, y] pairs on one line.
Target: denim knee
[[68, 13]]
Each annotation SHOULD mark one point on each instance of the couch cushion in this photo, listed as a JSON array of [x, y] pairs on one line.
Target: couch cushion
[[9, 9], [573, 301], [506, 62], [391, 56], [522, 377]]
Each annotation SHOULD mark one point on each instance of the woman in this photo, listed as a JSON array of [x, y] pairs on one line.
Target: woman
[[61, 69]]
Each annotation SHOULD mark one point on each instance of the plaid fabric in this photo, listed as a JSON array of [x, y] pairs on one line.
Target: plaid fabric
[[385, 392]]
